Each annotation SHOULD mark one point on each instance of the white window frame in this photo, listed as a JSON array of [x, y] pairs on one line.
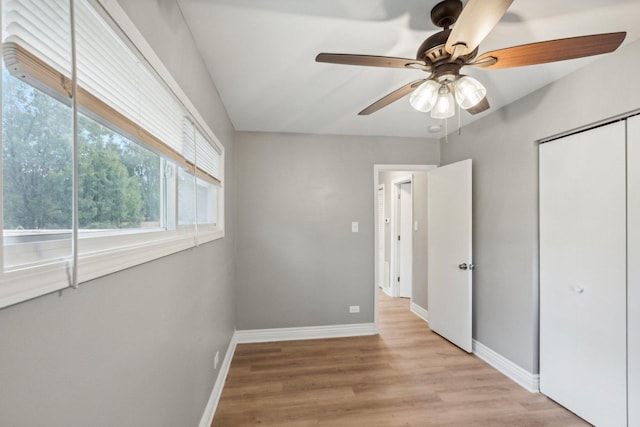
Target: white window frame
[[124, 248]]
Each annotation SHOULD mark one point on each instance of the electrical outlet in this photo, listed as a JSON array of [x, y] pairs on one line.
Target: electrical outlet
[[354, 309], [216, 359]]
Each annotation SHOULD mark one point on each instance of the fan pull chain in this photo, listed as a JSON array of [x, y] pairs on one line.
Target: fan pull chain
[[446, 131], [459, 121]]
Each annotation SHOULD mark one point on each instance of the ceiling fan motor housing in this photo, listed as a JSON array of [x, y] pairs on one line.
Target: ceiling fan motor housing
[[432, 52]]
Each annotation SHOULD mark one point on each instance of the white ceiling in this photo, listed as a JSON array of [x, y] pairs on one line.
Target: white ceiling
[[261, 56]]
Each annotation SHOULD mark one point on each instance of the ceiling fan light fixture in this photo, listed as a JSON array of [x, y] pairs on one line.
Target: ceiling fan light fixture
[[445, 105], [424, 97], [469, 92]]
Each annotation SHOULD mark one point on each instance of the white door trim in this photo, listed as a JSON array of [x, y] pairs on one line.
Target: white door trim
[[381, 281], [376, 172]]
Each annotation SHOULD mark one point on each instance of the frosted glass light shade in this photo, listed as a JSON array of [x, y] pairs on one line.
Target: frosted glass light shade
[[445, 105], [469, 92], [424, 97]]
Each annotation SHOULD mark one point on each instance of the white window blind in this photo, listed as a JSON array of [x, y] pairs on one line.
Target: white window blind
[[41, 27], [189, 138], [208, 157], [115, 86]]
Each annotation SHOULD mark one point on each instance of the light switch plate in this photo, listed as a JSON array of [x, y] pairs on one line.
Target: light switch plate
[[354, 227], [354, 309]]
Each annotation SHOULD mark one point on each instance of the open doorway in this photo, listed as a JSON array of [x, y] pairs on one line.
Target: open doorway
[[401, 210], [401, 236]]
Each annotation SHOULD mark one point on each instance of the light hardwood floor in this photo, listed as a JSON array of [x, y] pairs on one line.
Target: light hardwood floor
[[405, 376]]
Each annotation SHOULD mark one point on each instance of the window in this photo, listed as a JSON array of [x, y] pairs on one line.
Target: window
[[118, 181], [147, 171], [37, 173]]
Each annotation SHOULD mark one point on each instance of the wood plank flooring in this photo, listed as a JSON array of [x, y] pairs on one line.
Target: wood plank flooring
[[405, 376]]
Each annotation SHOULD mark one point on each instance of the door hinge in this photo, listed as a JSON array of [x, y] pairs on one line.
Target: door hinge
[[398, 238], [398, 279]]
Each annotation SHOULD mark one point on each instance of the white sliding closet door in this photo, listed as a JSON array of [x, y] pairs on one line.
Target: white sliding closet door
[[633, 242], [583, 320]]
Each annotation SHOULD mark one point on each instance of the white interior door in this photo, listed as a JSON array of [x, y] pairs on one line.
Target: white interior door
[[449, 253], [405, 244], [583, 363]]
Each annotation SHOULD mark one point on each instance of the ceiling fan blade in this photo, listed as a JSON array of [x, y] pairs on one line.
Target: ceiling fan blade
[[551, 51], [474, 23], [392, 97], [371, 61], [479, 107]]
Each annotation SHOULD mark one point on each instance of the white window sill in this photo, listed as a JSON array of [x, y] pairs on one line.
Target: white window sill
[[98, 256]]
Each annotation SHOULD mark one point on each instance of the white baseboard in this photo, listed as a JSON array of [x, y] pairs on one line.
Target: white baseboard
[[531, 382], [212, 404], [307, 333], [387, 291], [420, 312]]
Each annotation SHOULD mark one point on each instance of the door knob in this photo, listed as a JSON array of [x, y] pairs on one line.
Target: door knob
[[463, 266]]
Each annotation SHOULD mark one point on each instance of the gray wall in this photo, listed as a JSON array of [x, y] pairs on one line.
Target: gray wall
[[420, 213], [134, 348], [505, 173], [419, 270], [298, 263]]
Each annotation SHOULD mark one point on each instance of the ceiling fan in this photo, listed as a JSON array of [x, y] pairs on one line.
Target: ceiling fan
[[443, 54]]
